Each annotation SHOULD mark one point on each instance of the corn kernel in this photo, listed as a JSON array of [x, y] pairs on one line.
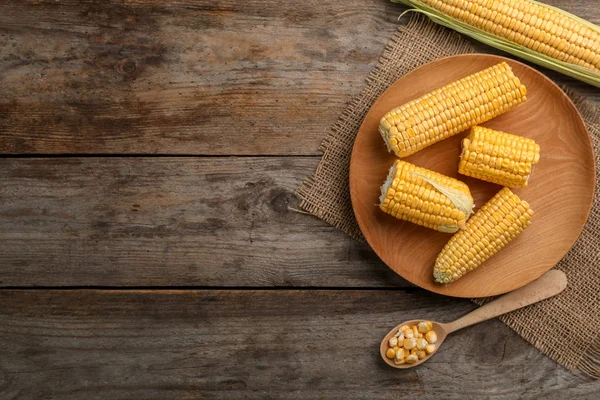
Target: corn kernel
[[409, 344], [412, 358], [393, 341], [423, 327], [415, 331], [430, 348], [399, 354], [408, 334], [421, 354], [403, 328], [431, 337], [390, 353], [421, 344], [399, 362]]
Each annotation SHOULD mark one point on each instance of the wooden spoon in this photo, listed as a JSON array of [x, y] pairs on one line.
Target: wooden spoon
[[551, 283]]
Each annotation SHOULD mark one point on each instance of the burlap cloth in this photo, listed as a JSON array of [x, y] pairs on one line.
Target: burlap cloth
[[575, 313]]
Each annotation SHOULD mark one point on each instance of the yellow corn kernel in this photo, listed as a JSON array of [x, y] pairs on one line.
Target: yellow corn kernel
[[431, 337], [390, 353], [403, 328], [421, 354], [423, 327], [393, 341], [430, 348], [421, 344], [411, 359], [426, 198], [499, 221], [461, 103], [398, 362], [410, 344], [498, 157], [415, 331], [408, 334], [399, 354]]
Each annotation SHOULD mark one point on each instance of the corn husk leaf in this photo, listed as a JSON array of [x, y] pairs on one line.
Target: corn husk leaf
[[572, 70], [461, 201]]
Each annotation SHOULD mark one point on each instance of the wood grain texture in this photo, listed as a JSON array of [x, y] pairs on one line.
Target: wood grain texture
[[182, 77], [218, 221], [189, 77], [256, 344], [566, 165]]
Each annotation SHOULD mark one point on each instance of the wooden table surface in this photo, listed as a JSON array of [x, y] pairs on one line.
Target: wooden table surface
[[150, 153]]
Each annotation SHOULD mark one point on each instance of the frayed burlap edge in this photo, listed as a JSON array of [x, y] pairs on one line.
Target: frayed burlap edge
[[326, 195]]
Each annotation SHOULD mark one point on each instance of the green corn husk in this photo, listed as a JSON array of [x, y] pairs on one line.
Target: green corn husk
[[572, 70]]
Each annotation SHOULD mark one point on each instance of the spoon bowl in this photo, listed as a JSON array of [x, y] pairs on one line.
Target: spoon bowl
[[550, 284], [438, 328]]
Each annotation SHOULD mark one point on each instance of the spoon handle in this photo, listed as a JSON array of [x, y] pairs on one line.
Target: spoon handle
[[551, 283]]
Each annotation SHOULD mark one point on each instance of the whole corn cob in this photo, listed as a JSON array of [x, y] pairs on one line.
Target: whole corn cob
[[498, 157], [534, 31], [498, 222], [530, 24], [451, 109], [426, 198]]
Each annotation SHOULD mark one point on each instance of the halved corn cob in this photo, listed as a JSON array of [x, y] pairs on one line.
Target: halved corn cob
[[451, 109], [498, 222], [498, 157], [426, 198]]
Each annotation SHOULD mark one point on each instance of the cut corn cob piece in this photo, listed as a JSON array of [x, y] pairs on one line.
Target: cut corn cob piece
[[536, 26], [451, 109], [426, 198], [498, 157], [498, 222]]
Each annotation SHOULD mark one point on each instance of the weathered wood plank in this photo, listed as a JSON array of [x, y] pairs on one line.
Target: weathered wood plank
[[218, 221], [194, 77], [188, 77], [256, 344]]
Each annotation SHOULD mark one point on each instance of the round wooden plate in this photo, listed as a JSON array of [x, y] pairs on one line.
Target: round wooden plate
[[560, 190]]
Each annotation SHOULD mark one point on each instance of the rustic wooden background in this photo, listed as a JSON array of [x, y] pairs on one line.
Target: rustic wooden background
[[150, 152]]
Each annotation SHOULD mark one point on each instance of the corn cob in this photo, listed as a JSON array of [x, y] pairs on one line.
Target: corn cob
[[426, 198], [498, 222], [530, 24], [498, 157], [451, 109], [537, 32]]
